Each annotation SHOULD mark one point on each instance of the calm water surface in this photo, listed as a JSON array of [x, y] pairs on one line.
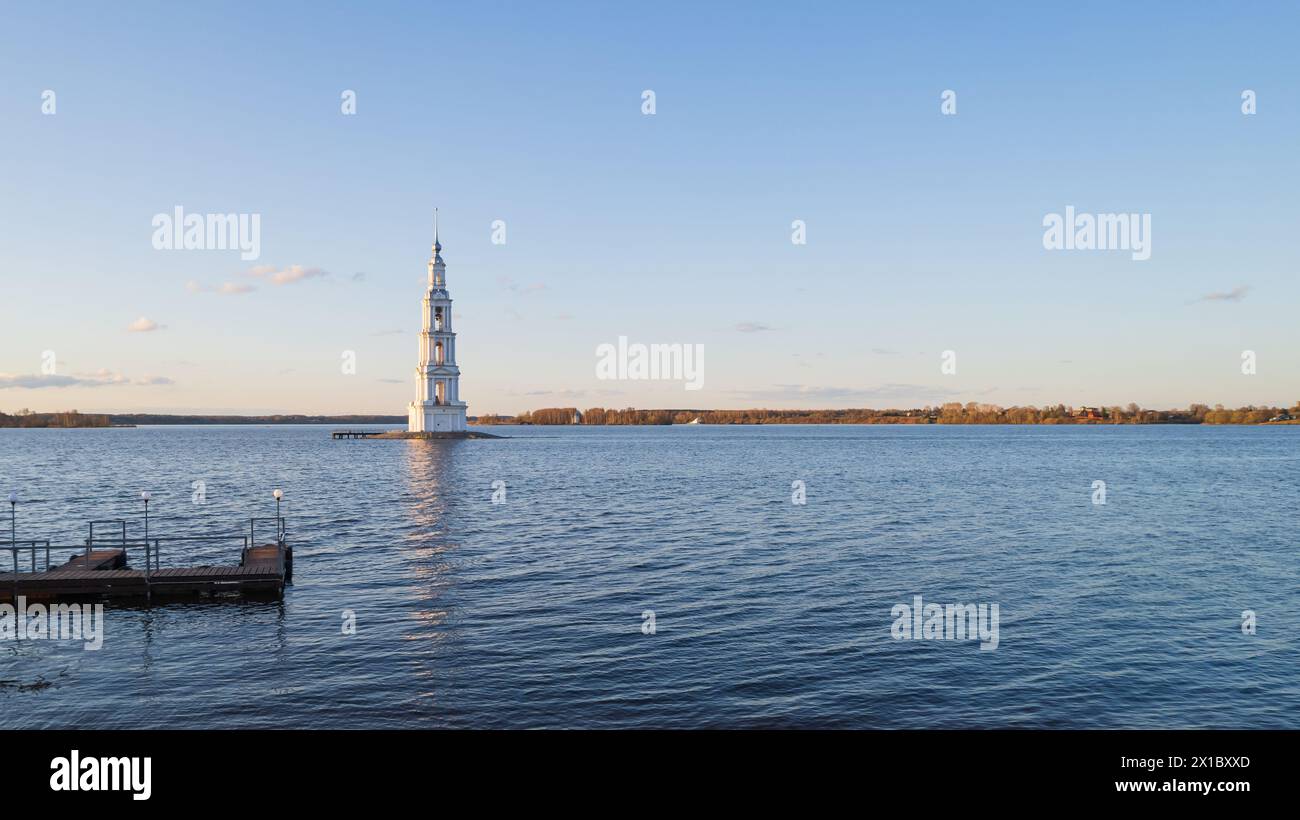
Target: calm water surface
[[768, 614]]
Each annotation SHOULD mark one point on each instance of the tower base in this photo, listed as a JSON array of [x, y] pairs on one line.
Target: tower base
[[428, 417]]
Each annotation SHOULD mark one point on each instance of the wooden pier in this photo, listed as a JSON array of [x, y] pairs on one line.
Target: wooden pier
[[263, 571], [100, 569], [337, 434]]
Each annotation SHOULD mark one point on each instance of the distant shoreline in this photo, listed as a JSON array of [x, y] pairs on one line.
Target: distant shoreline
[[789, 423], [949, 413], [785, 423], [599, 417], [160, 419], [73, 419]]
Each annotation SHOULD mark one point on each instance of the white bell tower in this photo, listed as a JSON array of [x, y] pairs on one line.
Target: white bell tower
[[437, 407]]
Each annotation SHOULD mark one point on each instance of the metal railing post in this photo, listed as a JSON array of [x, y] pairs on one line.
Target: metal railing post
[[148, 581]]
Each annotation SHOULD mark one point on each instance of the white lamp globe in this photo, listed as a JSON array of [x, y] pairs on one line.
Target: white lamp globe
[[145, 495], [278, 494]]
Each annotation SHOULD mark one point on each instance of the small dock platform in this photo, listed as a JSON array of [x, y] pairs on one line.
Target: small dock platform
[[337, 434], [95, 560], [105, 572]]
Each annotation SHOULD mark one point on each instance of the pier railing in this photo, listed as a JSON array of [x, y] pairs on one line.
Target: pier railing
[[279, 529], [89, 567], [117, 522], [16, 548], [43, 556]]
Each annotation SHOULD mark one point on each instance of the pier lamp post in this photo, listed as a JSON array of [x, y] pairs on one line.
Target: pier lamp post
[[146, 496], [279, 494]]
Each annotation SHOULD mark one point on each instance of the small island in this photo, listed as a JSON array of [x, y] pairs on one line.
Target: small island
[[431, 434]]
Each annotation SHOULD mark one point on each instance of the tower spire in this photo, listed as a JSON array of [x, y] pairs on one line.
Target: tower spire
[[437, 246]]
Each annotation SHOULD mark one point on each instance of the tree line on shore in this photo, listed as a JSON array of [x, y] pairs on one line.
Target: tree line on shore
[[950, 413], [72, 418], [68, 418]]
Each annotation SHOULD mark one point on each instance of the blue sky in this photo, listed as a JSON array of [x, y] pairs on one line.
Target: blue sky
[[924, 230]]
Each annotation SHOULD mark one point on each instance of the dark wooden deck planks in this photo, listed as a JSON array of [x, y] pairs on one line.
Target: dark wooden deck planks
[[262, 570]]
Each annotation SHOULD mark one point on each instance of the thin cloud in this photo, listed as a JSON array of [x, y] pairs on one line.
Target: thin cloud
[[885, 392], [226, 288], [514, 287], [286, 276], [752, 327], [566, 393], [144, 325], [569, 393], [101, 378], [1235, 295]]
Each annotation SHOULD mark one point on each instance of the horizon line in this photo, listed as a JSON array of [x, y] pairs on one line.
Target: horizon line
[[983, 406]]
